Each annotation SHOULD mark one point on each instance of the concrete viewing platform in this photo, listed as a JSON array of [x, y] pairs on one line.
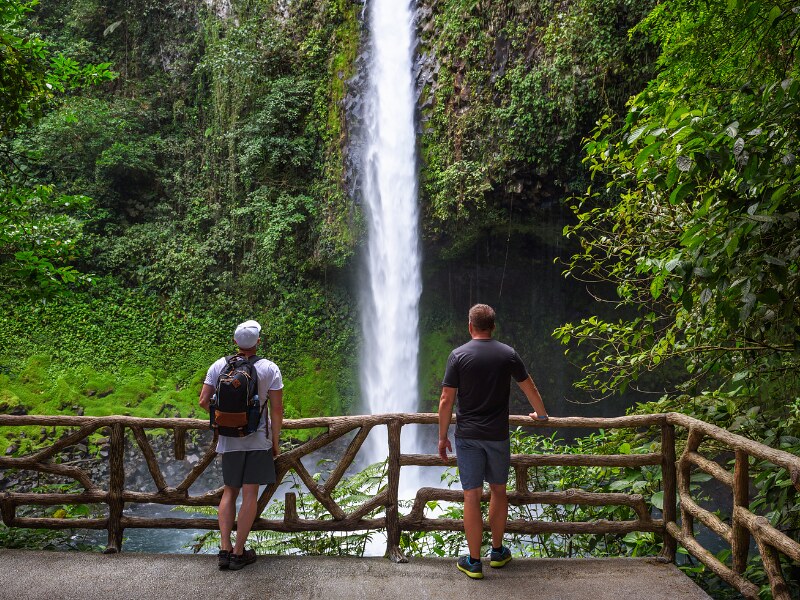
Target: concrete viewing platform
[[29, 575]]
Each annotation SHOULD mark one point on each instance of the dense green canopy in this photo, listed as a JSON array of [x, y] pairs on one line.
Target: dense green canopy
[[693, 217]]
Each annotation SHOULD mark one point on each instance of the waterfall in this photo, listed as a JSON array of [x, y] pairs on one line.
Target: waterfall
[[392, 286]]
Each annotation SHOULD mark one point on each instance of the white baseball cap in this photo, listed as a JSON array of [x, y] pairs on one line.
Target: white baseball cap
[[247, 334]]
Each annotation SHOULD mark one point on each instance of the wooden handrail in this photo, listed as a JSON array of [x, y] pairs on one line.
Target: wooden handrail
[[676, 474], [350, 421], [788, 461]]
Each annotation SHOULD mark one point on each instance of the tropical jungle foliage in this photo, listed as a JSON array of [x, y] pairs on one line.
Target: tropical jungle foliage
[[691, 223], [699, 234], [199, 174], [39, 233]]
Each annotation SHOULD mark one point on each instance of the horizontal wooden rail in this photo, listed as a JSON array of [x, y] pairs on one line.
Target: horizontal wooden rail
[[116, 496], [568, 497], [709, 466], [545, 460], [353, 421], [788, 461], [381, 511], [599, 526]]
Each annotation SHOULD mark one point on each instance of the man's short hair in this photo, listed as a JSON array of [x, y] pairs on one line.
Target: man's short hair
[[482, 317]]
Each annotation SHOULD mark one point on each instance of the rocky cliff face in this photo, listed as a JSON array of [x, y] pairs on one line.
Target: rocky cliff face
[[506, 93]]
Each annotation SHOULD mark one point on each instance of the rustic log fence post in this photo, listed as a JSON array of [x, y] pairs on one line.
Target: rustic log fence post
[[392, 502], [740, 543], [180, 443], [116, 488], [693, 441], [8, 510], [290, 508], [772, 566], [669, 479]]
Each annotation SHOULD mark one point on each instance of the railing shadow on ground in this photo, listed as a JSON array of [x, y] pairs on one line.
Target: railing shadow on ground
[[676, 474]]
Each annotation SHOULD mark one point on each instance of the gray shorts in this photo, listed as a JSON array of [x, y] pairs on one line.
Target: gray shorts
[[249, 466], [482, 460]]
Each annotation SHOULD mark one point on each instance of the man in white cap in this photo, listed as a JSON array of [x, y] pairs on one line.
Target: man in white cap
[[248, 461]]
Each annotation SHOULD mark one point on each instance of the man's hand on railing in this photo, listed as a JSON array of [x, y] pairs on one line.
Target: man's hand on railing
[[444, 447], [536, 416]]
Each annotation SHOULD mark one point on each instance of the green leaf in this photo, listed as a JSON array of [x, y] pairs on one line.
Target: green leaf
[[687, 300], [773, 15], [680, 192], [691, 239], [780, 192], [111, 28], [631, 538], [657, 500], [636, 133], [732, 244], [657, 286], [672, 176], [646, 153], [672, 263], [769, 296], [774, 260]]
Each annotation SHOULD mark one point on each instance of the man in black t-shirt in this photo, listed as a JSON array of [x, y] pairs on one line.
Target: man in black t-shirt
[[479, 374]]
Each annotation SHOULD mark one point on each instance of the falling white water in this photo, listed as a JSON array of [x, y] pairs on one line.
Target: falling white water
[[390, 311]]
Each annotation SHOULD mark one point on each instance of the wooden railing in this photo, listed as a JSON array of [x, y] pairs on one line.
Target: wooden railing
[[675, 475], [743, 523]]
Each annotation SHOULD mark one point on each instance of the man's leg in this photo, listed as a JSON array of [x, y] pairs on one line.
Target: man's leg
[[247, 515], [471, 459], [226, 515], [498, 463], [498, 513], [473, 521]]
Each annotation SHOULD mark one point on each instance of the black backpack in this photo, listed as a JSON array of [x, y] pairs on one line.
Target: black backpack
[[235, 410]]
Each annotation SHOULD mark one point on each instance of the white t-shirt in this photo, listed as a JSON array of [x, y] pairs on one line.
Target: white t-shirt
[[269, 378]]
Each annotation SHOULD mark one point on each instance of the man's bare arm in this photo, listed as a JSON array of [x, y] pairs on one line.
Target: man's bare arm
[[206, 393], [446, 402], [532, 394], [276, 418]]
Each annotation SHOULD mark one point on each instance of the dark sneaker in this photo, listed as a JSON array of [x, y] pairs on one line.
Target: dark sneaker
[[223, 559], [239, 561], [499, 559], [472, 570]]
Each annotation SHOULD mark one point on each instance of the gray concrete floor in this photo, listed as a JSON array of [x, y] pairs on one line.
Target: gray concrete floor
[[28, 575]]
